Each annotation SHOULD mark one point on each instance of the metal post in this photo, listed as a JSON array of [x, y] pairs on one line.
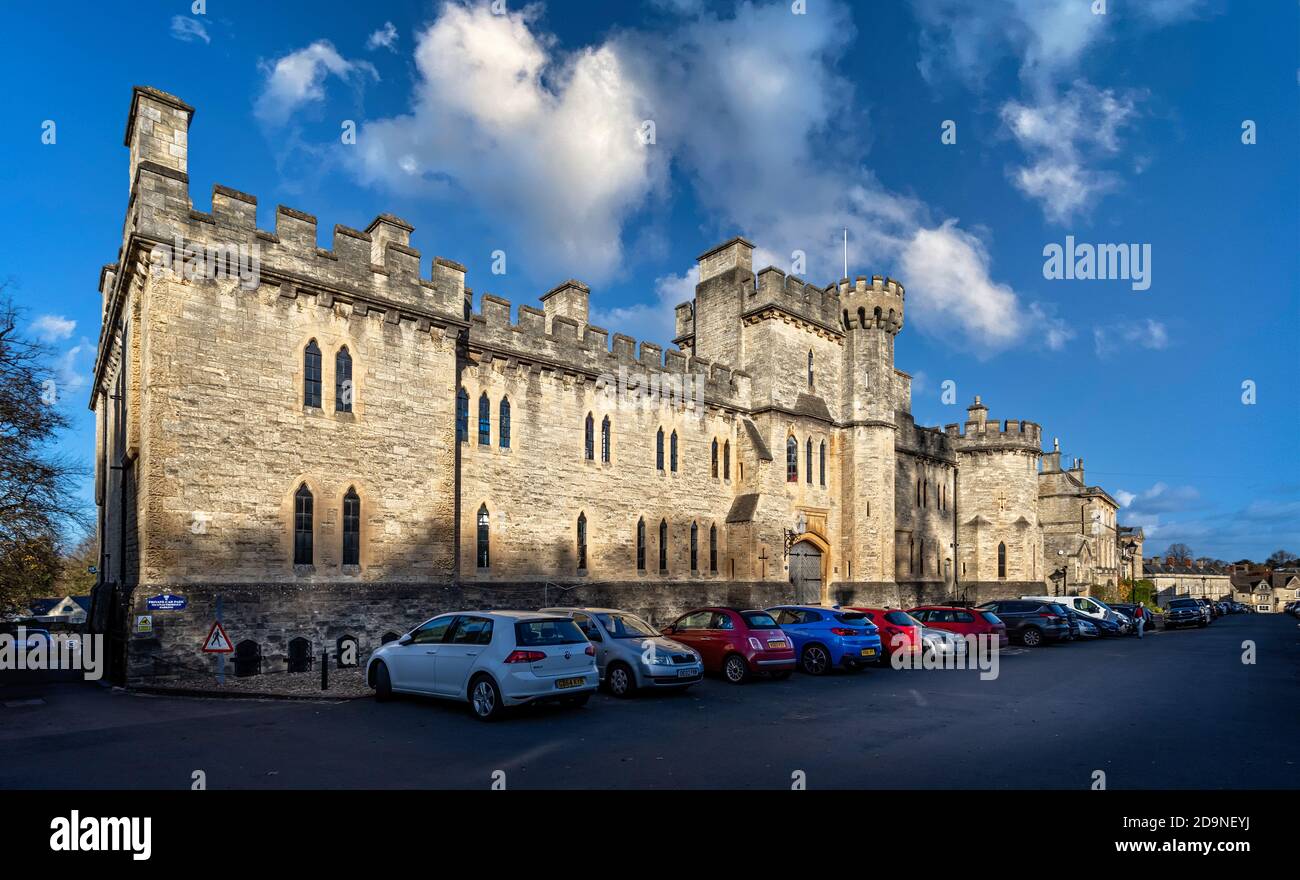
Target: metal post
[[324, 669], [221, 658]]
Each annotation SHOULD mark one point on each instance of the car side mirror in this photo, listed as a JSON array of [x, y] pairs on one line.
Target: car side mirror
[[405, 640]]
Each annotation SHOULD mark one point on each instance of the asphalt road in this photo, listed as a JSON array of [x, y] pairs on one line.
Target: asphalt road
[[1176, 710]]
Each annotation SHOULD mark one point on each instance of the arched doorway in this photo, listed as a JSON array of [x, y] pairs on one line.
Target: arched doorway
[[806, 572]]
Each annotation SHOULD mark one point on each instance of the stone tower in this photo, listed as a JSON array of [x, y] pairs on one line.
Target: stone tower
[[872, 316]]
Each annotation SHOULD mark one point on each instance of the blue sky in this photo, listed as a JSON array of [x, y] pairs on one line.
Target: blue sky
[[511, 132]]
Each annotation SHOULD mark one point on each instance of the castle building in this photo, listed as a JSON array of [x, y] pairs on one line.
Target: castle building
[[327, 444]]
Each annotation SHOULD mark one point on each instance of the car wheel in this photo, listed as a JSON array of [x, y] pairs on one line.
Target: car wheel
[[620, 680], [1031, 637], [815, 660], [383, 683], [576, 702], [485, 698], [735, 669]]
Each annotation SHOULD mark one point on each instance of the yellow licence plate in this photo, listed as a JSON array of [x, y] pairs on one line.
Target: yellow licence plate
[[868, 652], [776, 643], [570, 682]]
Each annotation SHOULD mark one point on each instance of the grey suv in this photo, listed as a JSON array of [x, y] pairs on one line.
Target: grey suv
[[631, 654]]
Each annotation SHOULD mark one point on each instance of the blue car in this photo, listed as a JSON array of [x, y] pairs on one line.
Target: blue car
[[828, 637]]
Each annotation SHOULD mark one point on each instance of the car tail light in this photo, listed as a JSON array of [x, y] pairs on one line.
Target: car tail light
[[1048, 616], [591, 651], [755, 644], [841, 631], [528, 656]]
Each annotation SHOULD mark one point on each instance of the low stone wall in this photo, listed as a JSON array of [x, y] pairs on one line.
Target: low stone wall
[[274, 614]]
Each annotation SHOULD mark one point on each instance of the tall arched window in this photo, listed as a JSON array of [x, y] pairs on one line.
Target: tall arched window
[[484, 420], [352, 527], [589, 438], [462, 416], [640, 545], [482, 556], [713, 548], [663, 545], [311, 375], [918, 493], [714, 458], [807, 462], [503, 424], [302, 526], [582, 542], [791, 460], [925, 493], [810, 369], [1002, 559], [672, 450], [343, 381], [726, 460], [695, 546], [659, 450], [821, 467], [605, 440]]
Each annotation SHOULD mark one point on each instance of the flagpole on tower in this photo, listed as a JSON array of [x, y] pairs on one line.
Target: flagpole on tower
[[846, 253]]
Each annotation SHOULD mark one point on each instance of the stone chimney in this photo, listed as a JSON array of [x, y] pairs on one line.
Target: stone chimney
[[1077, 470], [1052, 460], [570, 299], [157, 134], [1169, 560]]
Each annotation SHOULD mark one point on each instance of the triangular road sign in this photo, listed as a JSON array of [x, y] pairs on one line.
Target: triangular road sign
[[217, 641]]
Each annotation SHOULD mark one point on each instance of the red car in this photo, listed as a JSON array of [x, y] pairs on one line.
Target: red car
[[899, 631], [962, 621], [735, 643]]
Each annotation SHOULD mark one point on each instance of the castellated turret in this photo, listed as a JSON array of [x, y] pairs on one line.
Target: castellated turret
[[997, 498], [876, 305]]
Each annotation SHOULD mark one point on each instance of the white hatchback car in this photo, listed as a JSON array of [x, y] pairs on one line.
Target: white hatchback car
[[489, 659]]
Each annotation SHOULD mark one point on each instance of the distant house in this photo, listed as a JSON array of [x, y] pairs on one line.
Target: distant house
[[69, 609], [1183, 578], [1265, 589]]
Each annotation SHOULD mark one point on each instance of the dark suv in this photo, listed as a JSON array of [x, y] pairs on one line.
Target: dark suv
[[1184, 612], [1031, 622]]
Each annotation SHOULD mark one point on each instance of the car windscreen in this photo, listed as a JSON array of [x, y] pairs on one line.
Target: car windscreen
[[626, 626], [551, 631], [901, 618], [1059, 609], [854, 618], [758, 620], [1183, 603]]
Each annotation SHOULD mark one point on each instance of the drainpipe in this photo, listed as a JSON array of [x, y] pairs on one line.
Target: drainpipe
[[956, 563]]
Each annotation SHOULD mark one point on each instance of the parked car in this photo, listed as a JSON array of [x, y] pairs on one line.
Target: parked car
[[941, 643], [630, 653], [489, 659], [899, 631], [1131, 611], [825, 638], [1206, 613], [962, 621], [1030, 621], [1090, 607], [735, 643], [1184, 612], [1088, 628]]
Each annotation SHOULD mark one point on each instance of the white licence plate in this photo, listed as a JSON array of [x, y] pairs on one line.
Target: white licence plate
[[686, 673]]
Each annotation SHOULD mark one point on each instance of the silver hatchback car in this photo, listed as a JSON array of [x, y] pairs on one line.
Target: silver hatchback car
[[631, 655]]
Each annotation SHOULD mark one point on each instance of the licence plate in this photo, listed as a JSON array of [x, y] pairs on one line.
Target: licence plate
[[570, 682], [868, 652], [686, 673], [776, 643]]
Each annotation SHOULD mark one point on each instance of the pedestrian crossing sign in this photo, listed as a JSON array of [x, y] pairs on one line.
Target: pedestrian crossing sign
[[217, 641]]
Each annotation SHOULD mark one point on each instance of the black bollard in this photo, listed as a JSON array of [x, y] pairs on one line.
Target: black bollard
[[324, 669]]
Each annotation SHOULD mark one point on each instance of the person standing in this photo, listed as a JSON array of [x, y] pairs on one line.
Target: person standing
[[1141, 617]]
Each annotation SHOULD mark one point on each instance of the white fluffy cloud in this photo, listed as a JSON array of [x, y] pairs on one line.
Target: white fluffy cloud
[[547, 143], [298, 78], [52, 328], [1146, 333], [385, 37]]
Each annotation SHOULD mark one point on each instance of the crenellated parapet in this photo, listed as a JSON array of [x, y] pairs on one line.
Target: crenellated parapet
[[774, 289], [572, 347], [875, 303], [927, 443], [978, 433]]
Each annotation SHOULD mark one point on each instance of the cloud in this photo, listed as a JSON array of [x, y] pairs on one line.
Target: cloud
[[52, 328], [297, 79], [72, 368], [1159, 498], [1146, 333], [655, 321], [188, 29], [546, 142], [1060, 135], [385, 37]]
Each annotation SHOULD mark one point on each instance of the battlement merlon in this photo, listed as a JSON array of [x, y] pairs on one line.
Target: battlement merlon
[[157, 132], [736, 253], [569, 299]]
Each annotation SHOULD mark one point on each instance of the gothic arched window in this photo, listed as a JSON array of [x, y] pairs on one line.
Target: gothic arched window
[[582, 542], [713, 548], [484, 420], [462, 416], [302, 526], [822, 464], [672, 449], [1002, 560], [503, 424], [791, 460], [807, 463], [482, 555], [604, 440], [663, 545], [695, 546], [659, 450], [640, 545], [352, 527], [589, 438], [714, 458], [343, 381], [311, 375]]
